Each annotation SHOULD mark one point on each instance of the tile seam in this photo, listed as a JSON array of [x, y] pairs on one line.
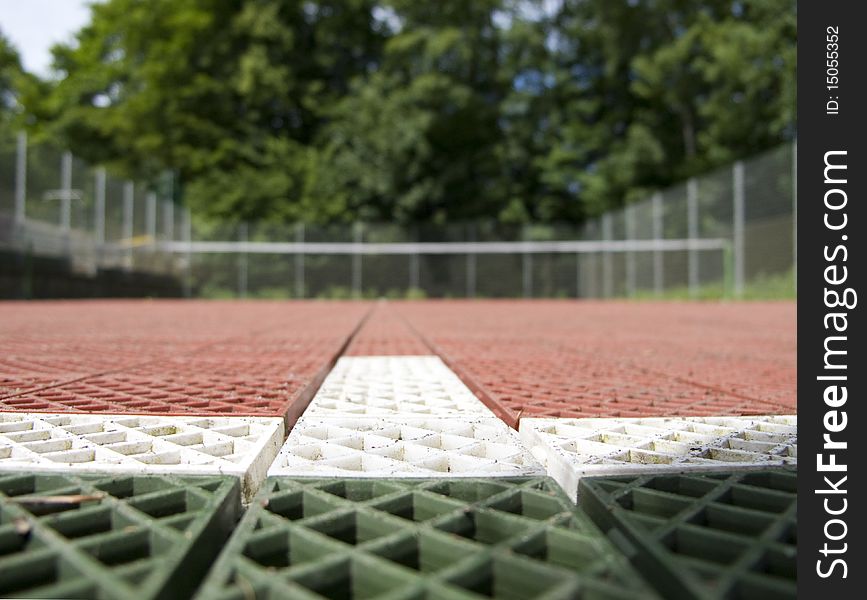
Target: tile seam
[[306, 395], [478, 389]]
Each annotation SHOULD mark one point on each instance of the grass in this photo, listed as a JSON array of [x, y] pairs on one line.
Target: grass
[[777, 286]]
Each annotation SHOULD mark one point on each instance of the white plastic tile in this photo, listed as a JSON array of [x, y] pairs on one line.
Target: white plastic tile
[[394, 386], [403, 447], [239, 446], [575, 448]]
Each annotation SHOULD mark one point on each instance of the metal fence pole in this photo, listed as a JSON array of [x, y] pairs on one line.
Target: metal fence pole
[[578, 274], [188, 264], [471, 265], [151, 217], [692, 225], [471, 275], [66, 191], [169, 219], [658, 233], [607, 258], [526, 270], [357, 236], [593, 275], [527, 274], [20, 178], [413, 272], [630, 256], [242, 263], [99, 205], [299, 262], [128, 199], [738, 227]]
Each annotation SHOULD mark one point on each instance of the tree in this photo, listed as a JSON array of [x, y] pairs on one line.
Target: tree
[[418, 140], [340, 110], [14, 82], [659, 91]]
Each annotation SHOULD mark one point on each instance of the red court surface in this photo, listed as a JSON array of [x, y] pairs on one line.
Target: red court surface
[[523, 358], [386, 333], [256, 358], [617, 359]]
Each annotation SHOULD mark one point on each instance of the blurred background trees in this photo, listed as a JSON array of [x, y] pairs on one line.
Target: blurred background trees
[[397, 110]]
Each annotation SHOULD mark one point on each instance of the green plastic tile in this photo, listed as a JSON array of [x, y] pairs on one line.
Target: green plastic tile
[[706, 536], [107, 537], [512, 538]]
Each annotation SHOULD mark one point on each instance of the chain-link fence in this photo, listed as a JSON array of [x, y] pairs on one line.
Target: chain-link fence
[[79, 230], [729, 233]]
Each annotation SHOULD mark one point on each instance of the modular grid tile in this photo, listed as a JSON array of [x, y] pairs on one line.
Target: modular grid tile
[[112, 537], [403, 447], [15, 385], [520, 381], [394, 386], [276, 384], [49, 362], [387, 414], [237, 446], [704, 536], [435, 538], [262, 358], [616, 359], [174, 396], [33, 366], [574, 448]]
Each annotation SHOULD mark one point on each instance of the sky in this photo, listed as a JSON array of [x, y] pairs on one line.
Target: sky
[[33, 26]]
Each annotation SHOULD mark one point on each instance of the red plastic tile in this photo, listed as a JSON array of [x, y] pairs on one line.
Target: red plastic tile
[[253, 358], [540, 358], [616, 359], [385, 333]]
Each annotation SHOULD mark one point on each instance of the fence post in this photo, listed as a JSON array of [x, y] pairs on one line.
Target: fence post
[[413, 271], [128, 199], [188, 266], [578, 275], [631, 234], [66, 191], [242, 261], [692, 225], [99, 205], [527, 269], [169, 219], [590, 260], [607, 259], [151, 218], [299, 262], [357, 236], [658, 233], [592, 275], [471, 275], [471, 265], [20, 178], [738, 227]]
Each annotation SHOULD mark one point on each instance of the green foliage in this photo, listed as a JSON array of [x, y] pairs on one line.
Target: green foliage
[[668, 89], [330, 111], [10, 69], [14, 83]]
